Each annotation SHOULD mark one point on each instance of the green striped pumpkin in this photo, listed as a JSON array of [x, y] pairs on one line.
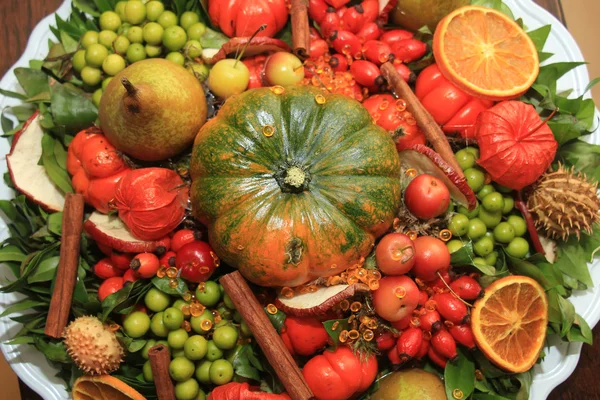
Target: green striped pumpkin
[[293, 184]]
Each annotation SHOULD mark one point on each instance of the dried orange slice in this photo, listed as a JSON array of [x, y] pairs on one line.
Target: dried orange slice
[[103, 387], [485, 53], [509, 322]]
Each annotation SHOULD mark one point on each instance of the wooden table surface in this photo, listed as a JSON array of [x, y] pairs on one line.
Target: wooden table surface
[[19, 17]]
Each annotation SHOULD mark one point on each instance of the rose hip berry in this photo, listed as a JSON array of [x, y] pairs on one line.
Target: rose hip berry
[[353, 18], [130, 276], [168, 259], [110, 286], [409, 343], [121, 260], [451, 308], [431, 321], [338, 63], [385, 341], [408, 50], [425, 344], [317, 10], [145, 265], [318, 48], [463, 335], [403, 323], [467, 288], [395, 35], [197, 261], [444, 344], [183, 237], [105, 269], [376, 51], [437, 358], [370, 10], [345, 42], [330, 23], [369, 31], [405, 72], [423, 297], [393, 356], [441, 281]]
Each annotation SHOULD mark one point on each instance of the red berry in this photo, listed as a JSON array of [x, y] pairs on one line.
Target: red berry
[[318, 48], [370, 10], [167, 260], [105, 269], [196, 261], [451, 308], [431, 321], [444, 344], [409, 343], [366, 74], [376, 51], [121, 260], [403, 323], [427, 197], [423, 297], [466, 288], [385, 341], [369, 31], [404, 71], [145, 265], [110, 286], [393, 356], [408, 50], [353, 19], [338, 63], [130, 276], [438, 283], [463, 335], [431, 256], [346, 43], [317, 10], [395, 35], [330, 23], [436, 357], [423, 350], [183, 237]]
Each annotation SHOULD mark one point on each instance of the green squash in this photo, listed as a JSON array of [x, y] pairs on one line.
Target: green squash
[[294, 184]]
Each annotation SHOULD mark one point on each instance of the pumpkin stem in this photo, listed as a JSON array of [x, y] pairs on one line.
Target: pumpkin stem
[[260, 28], [292, 179], [131, 98]]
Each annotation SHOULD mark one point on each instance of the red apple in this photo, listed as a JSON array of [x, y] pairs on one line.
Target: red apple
[[396, 298], [395, 254], [283, 68], [427, 197], [431, 256], [197, 261]]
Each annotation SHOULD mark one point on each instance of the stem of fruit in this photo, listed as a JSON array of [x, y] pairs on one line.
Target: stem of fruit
[[452, 291], [545, 121], [131, 100], [239, 57]]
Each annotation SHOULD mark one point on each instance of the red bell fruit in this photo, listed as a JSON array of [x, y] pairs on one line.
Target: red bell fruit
[[182, 237], [385, 340], [367, 74], [376, 51], [395, 254], [283, 68], [339, 374], [105, 269], [467, 288], [145, 265], [353, 18], [197, 261], [408, 50], [437, 358], [304, 336], [346, 43], [395, 35], [451, 308], [317, 10], [396, 297], [110, 286], [463, 335], [409, 343], [444, 344], [130, 276], [338, 63], [427, 197], [431, 256], [369, 31], [255, 67], [431, 321]]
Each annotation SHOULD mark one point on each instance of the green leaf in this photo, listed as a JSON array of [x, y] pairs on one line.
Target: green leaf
[[124, 298], [46, 271], [496, 5], [162, 284], [464, 257], [460, 374], [242, 365], [20, 340], [567, 311], [550, 73], [72, 110], [32, 81], [70, 45], [334, 334], [518, 266], [487, 396], [572, 261], [277, 319], [55, 223], [53, 350], [11, 253], [585, 157], [525, 379], [211, 39], [22, 305], [58, 175], [87, 6], [580, 331], [136, 345], [14, 95], [539, 36], [60, 154]]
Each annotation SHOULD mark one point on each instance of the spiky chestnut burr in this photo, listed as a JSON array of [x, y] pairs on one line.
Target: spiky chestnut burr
[[92, 346], [564, 203]]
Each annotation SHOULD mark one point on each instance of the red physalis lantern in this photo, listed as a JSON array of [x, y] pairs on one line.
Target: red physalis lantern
[[243, 17], [151, 201], [515, 145]]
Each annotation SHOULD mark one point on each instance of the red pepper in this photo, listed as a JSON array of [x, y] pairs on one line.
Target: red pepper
[[304, 336], [241, 18], [96, 168], [450, 106], [243, 391]]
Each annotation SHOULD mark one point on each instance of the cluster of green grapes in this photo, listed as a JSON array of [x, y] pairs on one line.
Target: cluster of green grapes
[[203, 335], [493, 221], [134, 31]]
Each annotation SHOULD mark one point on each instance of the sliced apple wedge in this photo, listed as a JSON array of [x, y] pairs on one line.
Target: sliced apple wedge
[[112, 232], [30, 178], [426, 161], [317, 303]]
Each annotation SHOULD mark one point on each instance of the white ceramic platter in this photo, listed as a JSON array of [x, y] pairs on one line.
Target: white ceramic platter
[[32, 367]]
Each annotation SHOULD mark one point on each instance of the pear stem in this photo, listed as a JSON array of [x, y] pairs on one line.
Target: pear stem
[[131, 99], [238, 58], [131, 90]]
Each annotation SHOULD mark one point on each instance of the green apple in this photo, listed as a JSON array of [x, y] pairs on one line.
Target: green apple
[[283, 68]]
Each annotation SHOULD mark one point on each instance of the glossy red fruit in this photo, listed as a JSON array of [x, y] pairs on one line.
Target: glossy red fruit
[[404, 71], [431, 321], [431, 255], [395, 254], [121, 260], [338, 63], [427, 197], [369, 31], [370, 10], [168, 259], [105, 269], [444, 344], [182, 237], [395, 35], [425, 344], [346, 43], [463, 335], [385, 340], [107, 250], [337, 3], [393, 356], [130, 276], [441, 281], [110, 286], [305, 336], [317, 10], [409, 343], [376, 51], [367, 74], [423, 297], [408, 50], [403, 323], [437, 358], [353, 18], [467, 288], [197, 261], [145, 265], [396, 298], [318, 48], [330, 23], [451, 308]]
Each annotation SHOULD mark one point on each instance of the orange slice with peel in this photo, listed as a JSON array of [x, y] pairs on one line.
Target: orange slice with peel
[[485, 53], [509, 322], [103, 387]]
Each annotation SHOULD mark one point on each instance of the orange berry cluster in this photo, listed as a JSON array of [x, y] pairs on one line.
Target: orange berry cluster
[[320, 74]]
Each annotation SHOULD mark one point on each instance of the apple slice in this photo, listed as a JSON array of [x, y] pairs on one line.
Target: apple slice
[[112, 232], [30, 178], [426, 161], [257, 45], [317, 303]]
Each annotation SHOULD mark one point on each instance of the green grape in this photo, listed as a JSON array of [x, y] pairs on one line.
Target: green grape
[[475, 178], [91, 76], [518, 224], [136, 52], [454, 245], [202, 372], [228, 302], [124, 29], [176, 57], [96, 97], [491, 258], [167, 19], [483, 246], [509, 204], [493, 202], [459, 225], [465, 159], [120, 10], [504, 232], [78, 60], [187, 390], [489, 218], [113, 64], [105, 82], [196, 31], [153, 51], [110, 21], [121, 44], [200, 71], [473, 150], [479, 261], [502, 189], [147, 372], [193, 49], [154, 9], [470, 214], [188, 19], [485, 190], [107, 38], [95, 55], [153, 33], [177, 338], [89, 38], [135, 12], [149, 343], [518, 247], [477, 229], [174, 38], [135, 34]]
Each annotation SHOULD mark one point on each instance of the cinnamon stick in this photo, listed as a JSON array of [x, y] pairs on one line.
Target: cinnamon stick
[[266, 336], [300, 29], [66, 273], [159, 363], [430, 128]]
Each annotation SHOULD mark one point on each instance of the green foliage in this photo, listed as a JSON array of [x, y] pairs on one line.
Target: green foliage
[[460, 374]]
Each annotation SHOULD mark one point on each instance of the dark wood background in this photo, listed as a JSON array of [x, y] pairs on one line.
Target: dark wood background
[[19, 17]]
